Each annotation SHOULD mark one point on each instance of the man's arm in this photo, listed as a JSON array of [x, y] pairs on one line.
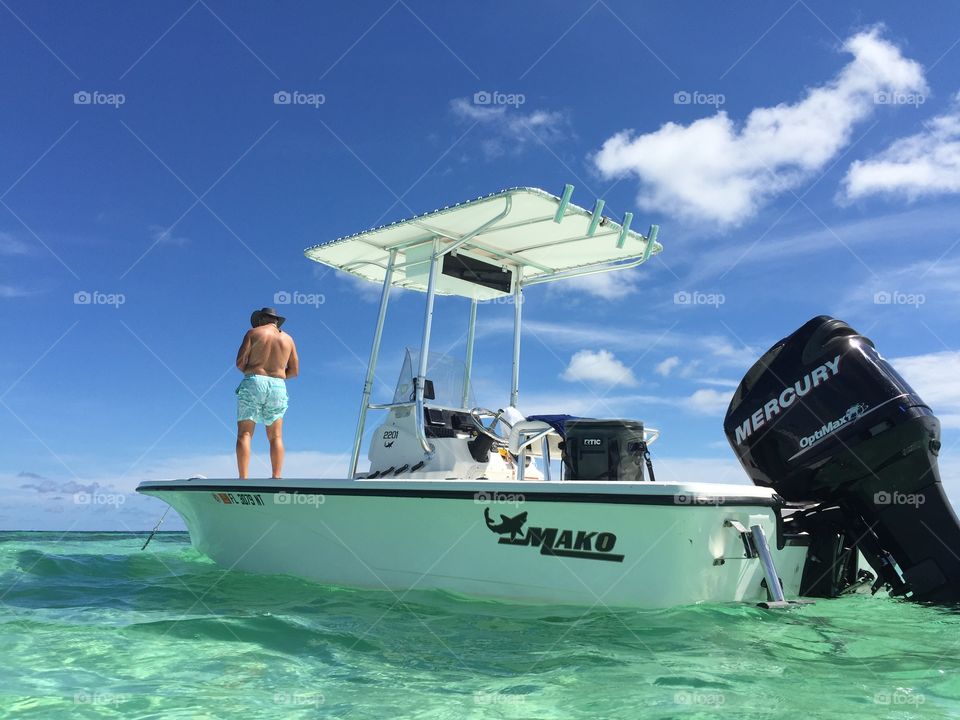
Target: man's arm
[[243, 354], [293, 363]]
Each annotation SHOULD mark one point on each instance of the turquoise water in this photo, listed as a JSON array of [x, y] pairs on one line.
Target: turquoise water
[[90, 626]]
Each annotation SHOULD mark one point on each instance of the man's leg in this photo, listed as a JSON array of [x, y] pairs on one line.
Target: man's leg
[[275, 436], [245, 430]]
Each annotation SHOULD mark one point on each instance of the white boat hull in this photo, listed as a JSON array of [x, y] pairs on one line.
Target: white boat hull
[[606, 544]]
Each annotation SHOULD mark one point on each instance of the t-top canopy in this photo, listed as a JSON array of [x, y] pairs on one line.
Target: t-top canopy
[[519, 234]]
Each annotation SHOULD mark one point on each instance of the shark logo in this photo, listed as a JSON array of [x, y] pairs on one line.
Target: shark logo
[[581, 544], [513, 525], [855, 411]]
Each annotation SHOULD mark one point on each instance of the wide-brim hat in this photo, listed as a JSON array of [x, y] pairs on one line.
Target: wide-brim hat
[[258, 315]]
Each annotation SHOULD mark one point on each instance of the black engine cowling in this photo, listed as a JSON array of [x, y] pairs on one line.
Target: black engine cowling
[[830, 425]]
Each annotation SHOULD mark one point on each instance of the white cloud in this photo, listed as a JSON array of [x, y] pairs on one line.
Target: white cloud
[[927, 163], [724, 470], [12, 246], [607, 286], [714, 170], [162, 235], [950, 475], [357, 287], [511, 129], [585, 404], [32, 502], [707, 401], [301, 463], [9, 245], [936, 379], [717, 350], [722, 348], [598, 367], [570, 334], [876, 231], [13, 291], [667, 366], [906, 289], [704, 402], [719, 382]]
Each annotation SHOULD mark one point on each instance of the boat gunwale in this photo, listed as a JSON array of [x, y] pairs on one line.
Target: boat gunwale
[[674, 494]]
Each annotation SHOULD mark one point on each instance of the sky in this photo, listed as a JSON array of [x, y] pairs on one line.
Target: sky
[[163, 166]]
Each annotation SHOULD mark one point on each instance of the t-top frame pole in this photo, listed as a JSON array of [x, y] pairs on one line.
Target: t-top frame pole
[[372, 365]]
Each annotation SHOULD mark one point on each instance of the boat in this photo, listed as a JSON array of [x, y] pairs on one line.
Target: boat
[[491, 503]]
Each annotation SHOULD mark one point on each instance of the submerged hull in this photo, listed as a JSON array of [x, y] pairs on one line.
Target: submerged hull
[[604, 544]]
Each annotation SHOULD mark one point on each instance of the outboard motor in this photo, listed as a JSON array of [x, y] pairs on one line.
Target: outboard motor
[[830, 425]]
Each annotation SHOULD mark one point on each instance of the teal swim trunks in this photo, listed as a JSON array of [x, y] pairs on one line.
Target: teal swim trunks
[[261, 399]]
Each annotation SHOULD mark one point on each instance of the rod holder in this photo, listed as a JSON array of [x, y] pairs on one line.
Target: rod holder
[[564, 201], [651, 241], [624, 229], [596, 217]]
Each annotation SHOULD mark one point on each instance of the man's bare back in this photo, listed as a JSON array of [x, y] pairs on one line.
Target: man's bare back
[[267, 350]]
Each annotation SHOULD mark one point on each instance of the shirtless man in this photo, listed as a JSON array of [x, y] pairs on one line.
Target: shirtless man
[[267, 358]]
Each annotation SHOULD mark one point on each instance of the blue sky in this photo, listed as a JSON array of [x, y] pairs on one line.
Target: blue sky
[[800, 158]]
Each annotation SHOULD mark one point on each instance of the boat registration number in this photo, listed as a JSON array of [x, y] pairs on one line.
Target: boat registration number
[[227, 498]]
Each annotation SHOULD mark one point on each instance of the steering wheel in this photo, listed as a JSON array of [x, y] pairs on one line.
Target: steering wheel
[[489, 430]]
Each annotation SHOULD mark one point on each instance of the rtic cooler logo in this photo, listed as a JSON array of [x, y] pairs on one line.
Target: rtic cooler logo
[[587, 545]]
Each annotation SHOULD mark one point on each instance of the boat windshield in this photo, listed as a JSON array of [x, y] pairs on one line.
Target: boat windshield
[[447, 374]]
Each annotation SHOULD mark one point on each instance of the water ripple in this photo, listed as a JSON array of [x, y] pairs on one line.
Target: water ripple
[[90, 626]]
